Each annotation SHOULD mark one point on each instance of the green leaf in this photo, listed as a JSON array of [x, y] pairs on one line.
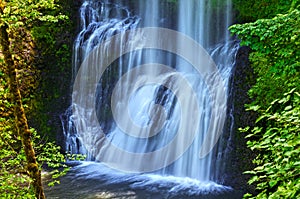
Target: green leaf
[[272, 183]]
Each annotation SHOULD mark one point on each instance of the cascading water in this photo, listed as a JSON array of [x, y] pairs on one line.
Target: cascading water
[[136, 138]]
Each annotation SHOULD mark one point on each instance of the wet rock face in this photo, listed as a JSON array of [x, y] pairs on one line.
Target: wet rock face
[[240, 158], [244, 79], [242, 57]]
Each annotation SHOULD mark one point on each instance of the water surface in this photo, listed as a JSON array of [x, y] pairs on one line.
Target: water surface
[[90, 180]]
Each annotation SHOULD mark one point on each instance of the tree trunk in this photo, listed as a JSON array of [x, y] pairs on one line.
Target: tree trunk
[[20, 117]]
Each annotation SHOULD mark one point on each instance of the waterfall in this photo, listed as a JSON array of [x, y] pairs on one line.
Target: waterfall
[[151, 80]]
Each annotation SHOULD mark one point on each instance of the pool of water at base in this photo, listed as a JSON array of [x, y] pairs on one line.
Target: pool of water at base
[[90, 180]]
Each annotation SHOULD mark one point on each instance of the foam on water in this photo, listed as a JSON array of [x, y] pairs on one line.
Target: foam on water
[[95, 180], [150, 182]]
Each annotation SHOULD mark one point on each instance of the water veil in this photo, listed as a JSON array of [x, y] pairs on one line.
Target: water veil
[[150, 88]]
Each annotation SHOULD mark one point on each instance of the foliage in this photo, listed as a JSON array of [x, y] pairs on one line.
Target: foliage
[[277, 138], [24, 21], [252, 10], [53, 46], [43, 26], [275, 57], [28, 13], [275, 45], [15, 181], [14, 178]]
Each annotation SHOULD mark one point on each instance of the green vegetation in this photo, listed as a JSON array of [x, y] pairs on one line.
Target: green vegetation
[[54, 51], [276, 138], [275, 45], [252, 10], [22, 151]]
